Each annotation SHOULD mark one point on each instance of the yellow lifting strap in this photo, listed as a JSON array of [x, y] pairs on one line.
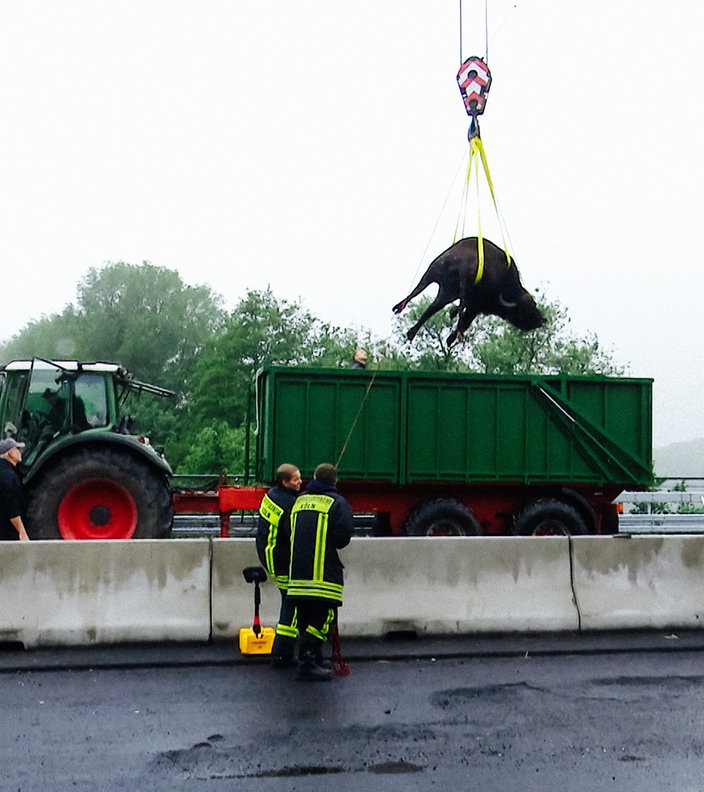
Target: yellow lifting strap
[[477, 153]]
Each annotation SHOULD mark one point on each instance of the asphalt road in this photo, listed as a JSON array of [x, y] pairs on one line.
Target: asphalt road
[[615, 712]]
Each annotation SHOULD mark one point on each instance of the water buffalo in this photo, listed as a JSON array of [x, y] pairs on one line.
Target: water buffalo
[[499, 291]]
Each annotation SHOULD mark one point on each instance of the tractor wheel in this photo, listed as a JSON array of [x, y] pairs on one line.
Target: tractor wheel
[[442, 518], [549, 517], [100, 493]]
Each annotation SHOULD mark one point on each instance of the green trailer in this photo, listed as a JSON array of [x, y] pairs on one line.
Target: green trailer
[[432, 453]]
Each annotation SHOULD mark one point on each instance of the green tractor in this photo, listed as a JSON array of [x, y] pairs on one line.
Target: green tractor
[[85, 475]]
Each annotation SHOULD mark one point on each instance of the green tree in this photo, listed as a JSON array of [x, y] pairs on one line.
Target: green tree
[[217, 448], [143, 317], [493, 346], [148, 319], [54, 337], [262, 331]]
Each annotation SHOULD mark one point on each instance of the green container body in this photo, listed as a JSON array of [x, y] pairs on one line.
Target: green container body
[[405, 427]]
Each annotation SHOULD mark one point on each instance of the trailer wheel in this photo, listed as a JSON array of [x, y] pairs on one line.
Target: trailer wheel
[[100, 493], [442, 518], [549, 517]]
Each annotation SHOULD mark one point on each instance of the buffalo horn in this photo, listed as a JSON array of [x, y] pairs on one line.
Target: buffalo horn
[[507, 304]]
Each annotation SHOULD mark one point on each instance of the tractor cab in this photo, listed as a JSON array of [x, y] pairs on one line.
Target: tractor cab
[[46, 400], [86, 475]]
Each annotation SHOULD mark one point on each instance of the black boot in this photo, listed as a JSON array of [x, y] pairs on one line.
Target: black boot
[[310, 668]]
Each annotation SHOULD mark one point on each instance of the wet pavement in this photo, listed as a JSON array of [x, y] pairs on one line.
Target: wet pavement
[[606, 711]]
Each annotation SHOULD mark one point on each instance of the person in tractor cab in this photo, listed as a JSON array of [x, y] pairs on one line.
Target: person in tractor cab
[[274, 551], [321, 524], [11, 525]]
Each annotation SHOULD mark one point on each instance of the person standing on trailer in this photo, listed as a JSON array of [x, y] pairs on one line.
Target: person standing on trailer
[[359, 359], [321, 524], [11, 524], [274, 551]]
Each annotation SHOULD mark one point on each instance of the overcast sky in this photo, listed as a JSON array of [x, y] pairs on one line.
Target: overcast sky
[[314, 146]]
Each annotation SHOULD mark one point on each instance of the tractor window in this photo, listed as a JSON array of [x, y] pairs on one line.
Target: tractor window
[[46, 408], [14, 386], [90, 407]]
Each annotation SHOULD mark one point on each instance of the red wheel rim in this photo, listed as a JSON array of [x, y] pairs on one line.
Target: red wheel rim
[[98, 509]]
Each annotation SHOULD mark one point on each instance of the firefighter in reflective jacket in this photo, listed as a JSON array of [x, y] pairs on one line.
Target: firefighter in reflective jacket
[[274, 551], [321, 524]]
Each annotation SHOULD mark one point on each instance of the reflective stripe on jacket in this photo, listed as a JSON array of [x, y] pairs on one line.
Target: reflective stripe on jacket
[[320, 525], [274, 533]]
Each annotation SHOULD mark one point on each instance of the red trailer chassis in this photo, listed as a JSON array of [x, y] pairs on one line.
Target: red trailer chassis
[[493, 505]]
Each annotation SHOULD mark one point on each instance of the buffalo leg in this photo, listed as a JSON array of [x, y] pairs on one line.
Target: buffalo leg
[[436, 305], [422, 286], [467, 315]]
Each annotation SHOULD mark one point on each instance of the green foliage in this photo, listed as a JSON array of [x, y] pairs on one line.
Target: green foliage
[[154, 416], [261, 331], [690, 507], [54, 337], [492, 346], [217, 448], [147, 319], [144, 317]]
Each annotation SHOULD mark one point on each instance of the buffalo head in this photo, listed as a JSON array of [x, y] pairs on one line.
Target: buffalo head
[[522, 313]]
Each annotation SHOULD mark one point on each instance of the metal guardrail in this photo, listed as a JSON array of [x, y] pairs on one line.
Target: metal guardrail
[[209, 525], [662, 496], [660, 523], [186, 525], [244, 524]]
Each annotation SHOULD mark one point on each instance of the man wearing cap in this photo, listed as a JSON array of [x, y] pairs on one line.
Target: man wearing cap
[[11, 525]]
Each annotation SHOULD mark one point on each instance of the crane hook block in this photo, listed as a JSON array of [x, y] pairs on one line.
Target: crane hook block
[[474, 79]]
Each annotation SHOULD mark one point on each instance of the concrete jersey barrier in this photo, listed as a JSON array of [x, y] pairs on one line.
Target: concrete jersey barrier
[[639, 582], [82, 593], [422, 585]]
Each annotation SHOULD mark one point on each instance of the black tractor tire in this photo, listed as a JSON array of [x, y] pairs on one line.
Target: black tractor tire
[[549, 517], [442, 517], [100, 493]]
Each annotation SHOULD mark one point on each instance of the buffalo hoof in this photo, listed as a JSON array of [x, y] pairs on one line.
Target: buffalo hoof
[[398, 307]]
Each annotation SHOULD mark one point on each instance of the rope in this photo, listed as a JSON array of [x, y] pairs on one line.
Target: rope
[[356, 418], [339, 665], [451, 189]]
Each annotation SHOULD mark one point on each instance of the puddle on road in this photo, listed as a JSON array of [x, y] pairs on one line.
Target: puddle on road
[[383, 768], [189, 760], [292, 772], [394, 767]]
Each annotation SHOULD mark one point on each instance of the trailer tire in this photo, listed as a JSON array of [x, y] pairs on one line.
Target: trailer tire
[[100, 493], [442, 518], [550, 517]]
